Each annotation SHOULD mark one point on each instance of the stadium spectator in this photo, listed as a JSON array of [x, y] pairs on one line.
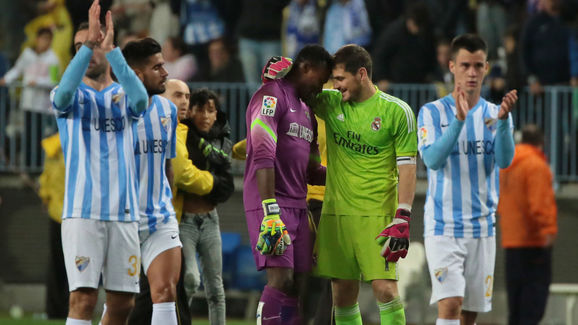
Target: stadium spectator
[[259, 34], [442, 77], [100, 217], [282, 157], [225, 67], [132, 16], [200, 232], [527, 210], [544, 48], [178, 63], [405, 50], [451, 17], [346, 22], [39, 68], [491, 24], [158, 226], [462, 195], [51, 191], [301, 26], [164, 23]]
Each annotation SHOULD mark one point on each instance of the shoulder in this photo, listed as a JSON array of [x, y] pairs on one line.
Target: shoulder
[[329, 96], [434, 107], [392, 102]]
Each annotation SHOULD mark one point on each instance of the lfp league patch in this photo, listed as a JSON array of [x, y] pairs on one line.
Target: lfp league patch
[[268, 106]]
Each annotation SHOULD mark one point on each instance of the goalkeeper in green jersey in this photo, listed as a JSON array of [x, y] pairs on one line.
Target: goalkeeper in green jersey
[[371, 150]]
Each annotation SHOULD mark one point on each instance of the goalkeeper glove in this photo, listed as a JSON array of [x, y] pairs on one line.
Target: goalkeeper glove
[[216, 157], [273, 235], [395, 237]]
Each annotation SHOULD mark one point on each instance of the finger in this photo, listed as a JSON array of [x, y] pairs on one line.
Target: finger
[[109, 24]]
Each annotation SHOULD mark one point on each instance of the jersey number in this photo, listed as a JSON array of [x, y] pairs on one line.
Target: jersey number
[[489, 286], [133, 261]]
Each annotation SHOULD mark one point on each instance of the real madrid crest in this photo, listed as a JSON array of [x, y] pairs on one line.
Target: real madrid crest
[[376, 124]]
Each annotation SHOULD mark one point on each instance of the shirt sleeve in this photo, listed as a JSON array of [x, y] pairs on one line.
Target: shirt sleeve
[[18, 68], [133, 87], [266, 109], [541, 198], [173, 135], [323, 102], [63, 95], [187, 176], [505, 142], [435, 146], [405, 131]]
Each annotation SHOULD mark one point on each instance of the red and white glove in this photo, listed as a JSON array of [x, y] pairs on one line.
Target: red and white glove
[[395, 236]]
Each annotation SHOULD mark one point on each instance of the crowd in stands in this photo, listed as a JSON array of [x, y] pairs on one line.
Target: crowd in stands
[[533, 42]]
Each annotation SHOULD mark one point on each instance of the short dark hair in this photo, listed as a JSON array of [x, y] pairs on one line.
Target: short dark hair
[[354, 57], [138, 52], [84, 26], [315, 55], [532, 134], [469, 42], [200, 97], [44, 31]]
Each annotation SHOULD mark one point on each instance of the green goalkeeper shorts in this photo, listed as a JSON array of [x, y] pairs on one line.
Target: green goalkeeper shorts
[[346, 248]]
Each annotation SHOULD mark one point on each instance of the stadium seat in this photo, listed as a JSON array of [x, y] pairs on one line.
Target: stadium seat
[[247, 277], [230, 243]]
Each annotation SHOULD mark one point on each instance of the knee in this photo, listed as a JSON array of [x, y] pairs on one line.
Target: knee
[[191, 282], [163, 292], [385, 290], [83, 303], [450, 308], [120, 308]]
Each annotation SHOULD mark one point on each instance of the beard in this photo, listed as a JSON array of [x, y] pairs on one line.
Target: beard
[[96, 72], [155, 90]]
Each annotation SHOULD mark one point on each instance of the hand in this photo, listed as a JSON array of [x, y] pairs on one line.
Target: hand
[[507, 104], [273, 236], [462, 107], [94, 34], [223, 188], [395, 237], [276, 68], [108, 41], [216, 157]]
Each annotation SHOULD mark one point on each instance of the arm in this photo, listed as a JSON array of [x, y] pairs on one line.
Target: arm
[[134, 88], [542, 200], [169, 172], [406, 185], [316, 172], [18, 68], [435, 155], [187, 177], [64, 93], [504, 136]]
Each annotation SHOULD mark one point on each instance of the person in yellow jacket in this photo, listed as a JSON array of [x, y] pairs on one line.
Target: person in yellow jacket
[[51, 191]]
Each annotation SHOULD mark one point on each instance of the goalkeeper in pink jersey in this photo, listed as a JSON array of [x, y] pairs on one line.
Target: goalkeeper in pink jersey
[[282, 157]]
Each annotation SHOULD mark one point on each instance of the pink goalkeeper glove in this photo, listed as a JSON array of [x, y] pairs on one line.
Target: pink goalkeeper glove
[[395, 237]]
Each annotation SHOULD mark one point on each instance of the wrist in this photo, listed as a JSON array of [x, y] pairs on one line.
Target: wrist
[[270, 207], [90, 44]]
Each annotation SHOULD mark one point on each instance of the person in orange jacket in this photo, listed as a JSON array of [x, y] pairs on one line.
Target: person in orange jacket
[[527, 210]]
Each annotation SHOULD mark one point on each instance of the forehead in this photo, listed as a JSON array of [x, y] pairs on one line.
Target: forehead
[[209, 105], [155, 59], [81, 36], [464, 55], [339, 71]]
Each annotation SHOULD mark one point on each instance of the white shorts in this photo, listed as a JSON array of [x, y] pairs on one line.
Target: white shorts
[[165, 237], [462, 267], [95, 247]]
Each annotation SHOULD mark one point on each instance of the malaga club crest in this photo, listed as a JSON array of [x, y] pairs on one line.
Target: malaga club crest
[[376, 124], [441, 273], [81, 262]]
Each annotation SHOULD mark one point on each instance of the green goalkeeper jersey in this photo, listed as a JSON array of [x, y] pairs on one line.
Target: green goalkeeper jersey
[[363, 141]]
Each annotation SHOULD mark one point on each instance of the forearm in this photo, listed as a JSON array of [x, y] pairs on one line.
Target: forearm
[[169, 172], [134, 88], [436, 154], [266, 183], [406, 186], [72, 77], [504, 146]]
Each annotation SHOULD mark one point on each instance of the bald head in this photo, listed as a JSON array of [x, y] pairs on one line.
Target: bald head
[[178, 92]]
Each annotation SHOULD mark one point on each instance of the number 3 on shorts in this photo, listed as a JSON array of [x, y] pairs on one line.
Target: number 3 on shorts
[[489, 286], [133, 261]]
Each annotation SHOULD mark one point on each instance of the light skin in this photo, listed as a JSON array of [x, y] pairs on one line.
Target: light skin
[[178, 92], [163, 272], [357, 87], [308, 81], [83, 300], [469, 69]]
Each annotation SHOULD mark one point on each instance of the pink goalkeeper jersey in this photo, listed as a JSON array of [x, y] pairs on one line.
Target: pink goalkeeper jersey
[[282, 133]]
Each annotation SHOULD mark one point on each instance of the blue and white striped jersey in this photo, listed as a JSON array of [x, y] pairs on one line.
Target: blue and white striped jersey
[[156, 142], [462, 195], [97, 141]]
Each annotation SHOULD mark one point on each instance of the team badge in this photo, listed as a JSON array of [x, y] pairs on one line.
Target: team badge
[[117, 97], [490, 123], [376, 124], [81, 262], [268, 106], [441, 273], [165, 122], [341, 117]]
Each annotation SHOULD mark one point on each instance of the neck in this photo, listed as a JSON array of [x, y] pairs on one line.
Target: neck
[[472, 97], [367, 90], [101, 82]]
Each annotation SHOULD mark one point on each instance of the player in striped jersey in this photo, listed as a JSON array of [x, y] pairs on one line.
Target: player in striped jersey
[[371, 148], [463, 139], [100, 215], [158, 230]]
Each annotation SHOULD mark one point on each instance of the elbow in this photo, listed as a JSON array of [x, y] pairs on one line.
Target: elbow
[[431, 164], [505, 162], [62, 99]]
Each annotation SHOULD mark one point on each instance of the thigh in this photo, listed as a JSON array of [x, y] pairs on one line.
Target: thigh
[[445, 259], [210, 250], [122, 266], [335, 250], [84, 243], [479, 273], [164, 238], [368, 253]]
